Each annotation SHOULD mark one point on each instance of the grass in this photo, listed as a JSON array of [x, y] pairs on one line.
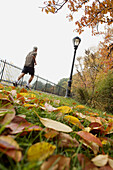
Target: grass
[[6, 163]]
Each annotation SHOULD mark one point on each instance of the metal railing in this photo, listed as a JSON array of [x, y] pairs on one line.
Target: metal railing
[[9, 73]]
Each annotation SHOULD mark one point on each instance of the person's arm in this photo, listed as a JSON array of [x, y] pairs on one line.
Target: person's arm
[[34, 57]]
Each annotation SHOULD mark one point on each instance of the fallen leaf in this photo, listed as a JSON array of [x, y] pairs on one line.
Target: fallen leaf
[[85, 163], [23, 90], [54, 124], [1, 86], [80, 107], [74, 121], [13, 93], [55, 162], [110, 161], [40, 151], [65, 109], [100, 160], [10, 147], [9, 115], [65, 140], [19, 125], [81, 115], [48, 107], [93, 146], [29, 106], [28, 94], [50, 133], [89, 137]]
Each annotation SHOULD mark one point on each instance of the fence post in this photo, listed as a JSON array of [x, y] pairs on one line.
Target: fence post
[[3, 70], [36, 83]]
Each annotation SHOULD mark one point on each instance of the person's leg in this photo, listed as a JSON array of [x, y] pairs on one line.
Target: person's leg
[[21, 75], [16, 82], [31, 78]]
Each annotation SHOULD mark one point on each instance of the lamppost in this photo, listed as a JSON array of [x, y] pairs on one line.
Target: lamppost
[[76, 42]]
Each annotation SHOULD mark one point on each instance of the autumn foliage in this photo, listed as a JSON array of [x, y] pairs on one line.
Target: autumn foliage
[[93, 12], [39, 131]]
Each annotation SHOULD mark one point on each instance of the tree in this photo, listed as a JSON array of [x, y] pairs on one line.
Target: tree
[[95, 12], [63, 82], [106, 49]]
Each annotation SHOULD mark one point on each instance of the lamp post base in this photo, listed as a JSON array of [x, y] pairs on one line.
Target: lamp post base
[[68, 91]]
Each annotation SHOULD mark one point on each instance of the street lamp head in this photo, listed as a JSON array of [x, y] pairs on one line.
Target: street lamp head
[[76, 41]]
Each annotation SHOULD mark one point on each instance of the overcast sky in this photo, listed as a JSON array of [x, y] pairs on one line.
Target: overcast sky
[[23, 25]]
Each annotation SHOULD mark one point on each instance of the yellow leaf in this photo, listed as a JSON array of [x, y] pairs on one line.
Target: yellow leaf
[[100, 160], [110, 162], [65, 109], [74, 121], [54, 124], [80, 107], [28, 94], [40, 151]]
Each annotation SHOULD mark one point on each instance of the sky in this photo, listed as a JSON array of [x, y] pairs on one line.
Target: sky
[[23, 25]]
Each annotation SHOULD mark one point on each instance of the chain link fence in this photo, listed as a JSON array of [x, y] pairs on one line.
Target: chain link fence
[[9, 73]]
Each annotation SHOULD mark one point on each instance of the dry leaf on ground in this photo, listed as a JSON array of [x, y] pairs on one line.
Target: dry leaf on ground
[[56, 162], [40, 151], [89, 137], [65, 140], [9, 115], [100, 160], [10, 147], [65, 109], [54, 124], [19, 125], [75, 121]]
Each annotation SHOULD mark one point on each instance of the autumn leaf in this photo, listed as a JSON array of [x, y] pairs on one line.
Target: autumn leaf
[[89, 137], [65, 140], [50, 133], [10, 147], [65, 109], [75, 121], [110, 161], [85, 163], [100, 160], [92, 145], [48, 107], [80, 107], [9, 115], [54, 124], [23, 90], [59, 162], [1, 86], [19, 125], [40, 151]]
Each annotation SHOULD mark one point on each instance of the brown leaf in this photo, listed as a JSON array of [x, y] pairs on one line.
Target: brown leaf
[[50, 133], [9, 115], [10, 147], [93, 146], [19, 125], [86, 163], [56, 162], [89, 137], [65, 140]]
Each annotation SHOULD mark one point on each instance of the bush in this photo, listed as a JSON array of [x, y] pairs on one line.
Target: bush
[[105, 93]]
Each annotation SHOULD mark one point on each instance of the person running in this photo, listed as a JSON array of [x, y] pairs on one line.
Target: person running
[[30, 62]]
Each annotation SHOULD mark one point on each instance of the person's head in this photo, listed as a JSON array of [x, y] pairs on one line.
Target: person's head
[[35, 48]]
